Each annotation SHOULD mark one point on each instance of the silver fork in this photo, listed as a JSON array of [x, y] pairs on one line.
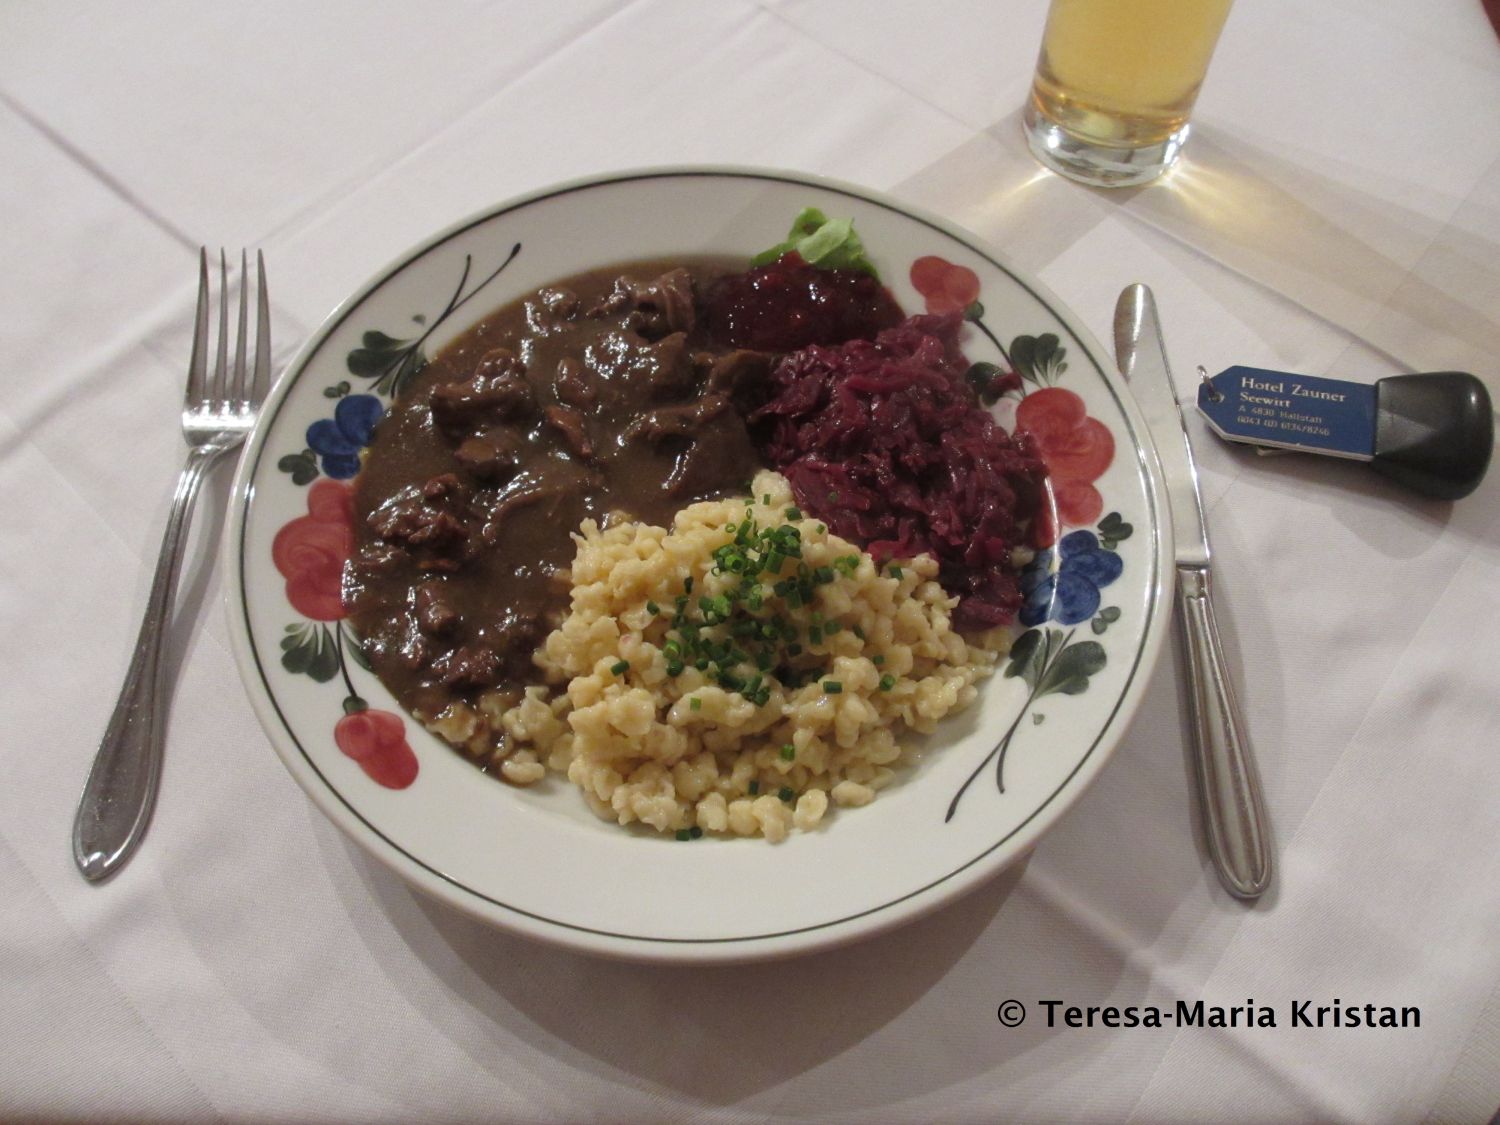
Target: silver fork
[[217, 413]]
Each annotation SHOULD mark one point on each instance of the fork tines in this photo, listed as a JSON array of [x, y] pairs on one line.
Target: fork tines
[[238, 389]]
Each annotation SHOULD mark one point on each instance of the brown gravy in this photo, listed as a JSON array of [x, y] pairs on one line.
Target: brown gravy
[[601, 393]]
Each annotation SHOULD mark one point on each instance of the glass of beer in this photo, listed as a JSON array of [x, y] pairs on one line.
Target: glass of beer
[[1115, 84]]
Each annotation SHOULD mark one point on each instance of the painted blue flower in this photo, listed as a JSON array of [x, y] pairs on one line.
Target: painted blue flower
[[338, 440], [1070, 593]]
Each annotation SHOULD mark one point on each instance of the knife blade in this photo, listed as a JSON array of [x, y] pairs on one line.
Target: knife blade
[[1228, 785]]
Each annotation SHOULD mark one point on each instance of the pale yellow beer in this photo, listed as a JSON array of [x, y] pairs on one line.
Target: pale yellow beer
[[1121, 76]]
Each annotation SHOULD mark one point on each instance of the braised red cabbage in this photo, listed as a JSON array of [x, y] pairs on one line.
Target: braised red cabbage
[[886, 442]]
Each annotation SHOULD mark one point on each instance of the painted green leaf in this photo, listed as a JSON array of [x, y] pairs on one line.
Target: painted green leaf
[[1069, 673], [310, 650], [1028, 656], [1114, 528], [379, 341], [1038, 359], [303, 466], [1023, 356], [982, 376], [370, 362]]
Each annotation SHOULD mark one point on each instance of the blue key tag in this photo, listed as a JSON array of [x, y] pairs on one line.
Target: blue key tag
[[1432, 432], [1284, 411]]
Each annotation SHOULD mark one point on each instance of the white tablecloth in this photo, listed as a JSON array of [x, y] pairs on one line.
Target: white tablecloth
[[1340, 216]]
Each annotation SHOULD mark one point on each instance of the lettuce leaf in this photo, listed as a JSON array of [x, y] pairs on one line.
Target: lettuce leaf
[[829, 244]]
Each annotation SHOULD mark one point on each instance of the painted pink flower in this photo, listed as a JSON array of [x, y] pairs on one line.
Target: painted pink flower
[[377, 741], [946, 287], [1076, 449], [310, 551]]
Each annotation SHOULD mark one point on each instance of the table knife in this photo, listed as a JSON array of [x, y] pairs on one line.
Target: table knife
[[1234, 816]]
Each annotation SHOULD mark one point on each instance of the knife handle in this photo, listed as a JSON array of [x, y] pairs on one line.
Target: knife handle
[[1234, 814]]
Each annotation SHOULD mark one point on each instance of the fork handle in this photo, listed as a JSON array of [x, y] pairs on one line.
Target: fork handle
[[121, 789]]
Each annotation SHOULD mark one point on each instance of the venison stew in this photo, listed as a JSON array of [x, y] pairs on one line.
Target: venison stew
[[595, 395]]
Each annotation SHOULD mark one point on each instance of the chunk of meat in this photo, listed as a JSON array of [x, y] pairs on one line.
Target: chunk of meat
[[665, 305], [433, 523], [552, 310], [682, 421], [517, 635], [468, 666], [576, 386], [569, 425], [672, 373], [657, 307], [742, 375], [497, 391], [522, 498], [719, 441], [561, 302], [435, 615], [491, 457]]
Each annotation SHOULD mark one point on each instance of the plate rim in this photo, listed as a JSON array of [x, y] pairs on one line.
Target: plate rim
[[761, 946]]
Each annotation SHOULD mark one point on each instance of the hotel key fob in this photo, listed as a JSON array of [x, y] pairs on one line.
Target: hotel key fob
[[1431, 432]]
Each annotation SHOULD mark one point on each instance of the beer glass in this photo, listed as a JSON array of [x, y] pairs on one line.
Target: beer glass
[[1115, 83]]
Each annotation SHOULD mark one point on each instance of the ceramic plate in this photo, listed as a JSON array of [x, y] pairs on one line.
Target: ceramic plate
[[536, 861]]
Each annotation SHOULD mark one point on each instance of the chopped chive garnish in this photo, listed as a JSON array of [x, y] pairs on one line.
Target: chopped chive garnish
[[878, 658], [695, 832], [766, 499], [620, 667], [785, 793], [748, 636], [788, 752], [895, 571], [887, 682], [684, 834], [857, 631], [695, 704], [652, 608]]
